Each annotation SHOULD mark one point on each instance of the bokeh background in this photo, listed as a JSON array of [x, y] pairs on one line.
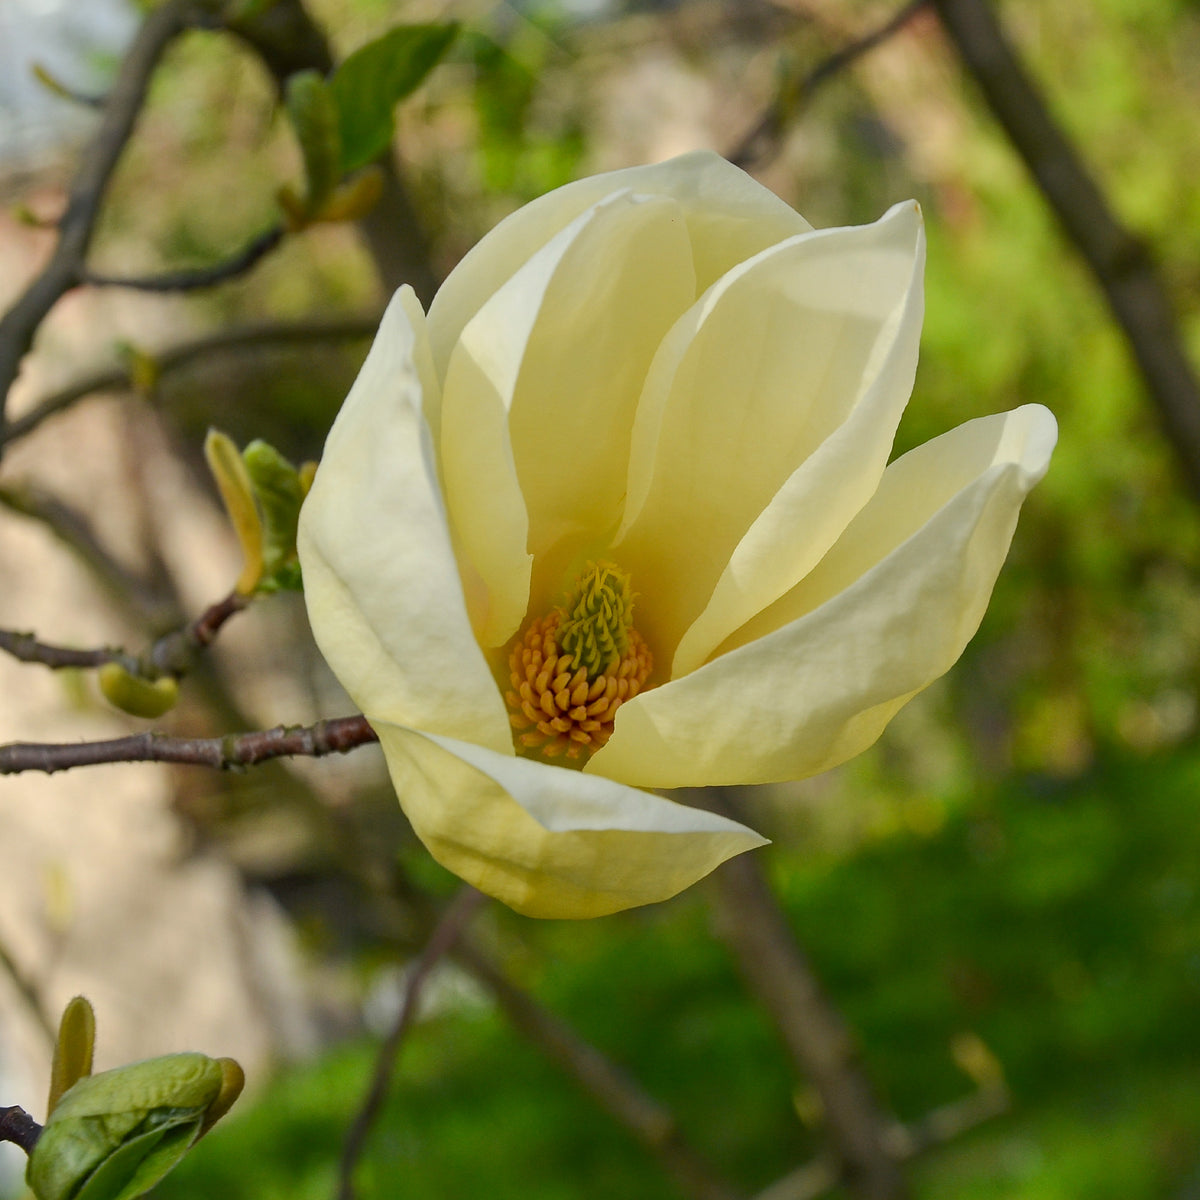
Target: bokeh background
[[1005, 888]]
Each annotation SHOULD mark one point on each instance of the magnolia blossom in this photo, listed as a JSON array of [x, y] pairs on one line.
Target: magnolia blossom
[[617, 514]]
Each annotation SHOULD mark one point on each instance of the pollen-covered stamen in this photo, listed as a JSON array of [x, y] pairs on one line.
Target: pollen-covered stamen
[[571, 670]]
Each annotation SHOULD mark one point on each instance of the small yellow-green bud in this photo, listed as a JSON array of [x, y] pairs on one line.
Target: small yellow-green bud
[[136, 696]]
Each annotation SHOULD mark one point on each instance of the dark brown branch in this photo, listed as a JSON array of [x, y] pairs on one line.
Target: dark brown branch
[[196, 278], [1119, 261], [64, 270], [759, 144], [755, 929], [610, 1087], [27, 649], [240, 339], [229, 753], [445, 934], [18, 1127]]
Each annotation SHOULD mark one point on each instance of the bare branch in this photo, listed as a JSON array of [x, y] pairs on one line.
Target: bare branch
[[937, 1127], [64, 270], [756, 931], [455, 919], [1120, 262], [229, 753], [608, 1085], [170, 655], [199, 277], [18, 1127], [74, 530], [29, 991], [795, 95], [240, 339]]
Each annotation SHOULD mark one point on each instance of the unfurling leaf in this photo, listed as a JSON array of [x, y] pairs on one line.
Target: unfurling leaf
[[237, 492], [313, 112], [375, 78], [113, 1136], [279, 494]]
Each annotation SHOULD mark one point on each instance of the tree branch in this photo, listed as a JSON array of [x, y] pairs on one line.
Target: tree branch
[[1121, 263], [455, 919], [653, 1125], [795, 95], [18, 1127], [170, 655], [239, 339], [229, 753], [193, 279], [64, 270], [755, 929]]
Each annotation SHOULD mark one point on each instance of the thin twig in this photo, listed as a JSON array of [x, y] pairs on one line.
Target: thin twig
[[193, 279], [169, 655], [937, 1127], [229, 753], [18, 1127], [652, 1124], [1120, 262], [239, 339], [75, 531], [29, 992], [446, 932], [822, 1047], [63, 271], [794, 96]]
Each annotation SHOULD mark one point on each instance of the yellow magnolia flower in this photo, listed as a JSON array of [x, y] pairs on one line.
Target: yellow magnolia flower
[[617, 514]]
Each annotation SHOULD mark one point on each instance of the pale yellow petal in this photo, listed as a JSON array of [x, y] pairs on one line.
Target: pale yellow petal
[[884, 265], [782, 386], [814, 679], [548, 841], [380, 578], [541, 388], [729, 218]]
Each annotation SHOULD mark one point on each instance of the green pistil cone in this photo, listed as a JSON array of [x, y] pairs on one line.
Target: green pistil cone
[[594, 632]]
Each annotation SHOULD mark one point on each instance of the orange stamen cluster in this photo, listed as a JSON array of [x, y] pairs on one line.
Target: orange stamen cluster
[[557, 711]]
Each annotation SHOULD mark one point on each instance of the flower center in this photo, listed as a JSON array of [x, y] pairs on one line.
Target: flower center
[[574, 667]]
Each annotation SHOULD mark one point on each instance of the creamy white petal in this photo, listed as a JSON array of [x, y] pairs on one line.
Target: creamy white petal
[[884, 263], [380, 578], [729, 218], [814, 679], [779, 391], [548, 841], [540, 392]]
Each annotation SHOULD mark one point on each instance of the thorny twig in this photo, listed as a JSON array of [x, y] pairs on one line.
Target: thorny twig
[[230, 753], [445, 933], [758, 145]]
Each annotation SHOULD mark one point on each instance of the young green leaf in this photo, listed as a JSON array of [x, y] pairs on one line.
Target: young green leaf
[[73, 1050], [369, 84], [312, 110]]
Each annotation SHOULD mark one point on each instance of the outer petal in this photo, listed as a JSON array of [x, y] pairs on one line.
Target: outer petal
[[541, 387], [771, 406], [380, 579], [729, 218], [548, 841], [816, 677]]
